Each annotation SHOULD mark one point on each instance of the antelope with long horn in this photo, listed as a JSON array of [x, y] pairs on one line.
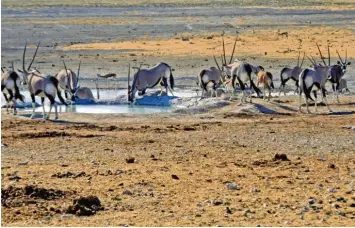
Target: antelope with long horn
[[149, 78], [10, 87], [68, 81], [337, 72], [291, 73], [41, 86], [242, 75], [314, 80]]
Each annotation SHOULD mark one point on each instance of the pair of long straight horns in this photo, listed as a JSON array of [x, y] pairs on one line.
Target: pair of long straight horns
[[223, 57], [312, 60], [346, 57], [33, 58], [77, 75], [298, 60]]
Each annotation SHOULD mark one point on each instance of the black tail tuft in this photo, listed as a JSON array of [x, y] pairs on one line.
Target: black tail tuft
[[54, 80], [257, 90], [306, 91], [171, 79]]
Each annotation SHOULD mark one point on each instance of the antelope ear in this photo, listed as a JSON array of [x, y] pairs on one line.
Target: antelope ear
[[349, 63], [338, 62]]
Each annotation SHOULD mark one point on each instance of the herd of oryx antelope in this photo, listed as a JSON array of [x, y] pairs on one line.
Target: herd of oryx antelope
[[232, 73]]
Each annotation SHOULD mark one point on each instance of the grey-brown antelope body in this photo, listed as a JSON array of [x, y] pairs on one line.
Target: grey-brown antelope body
[[68, 81], [41, 86]]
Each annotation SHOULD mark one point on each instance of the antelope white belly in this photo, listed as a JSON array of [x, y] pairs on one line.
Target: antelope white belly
[[10, 84]]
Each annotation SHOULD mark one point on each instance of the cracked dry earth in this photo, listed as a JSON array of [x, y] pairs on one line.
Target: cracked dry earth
[[179, 170]]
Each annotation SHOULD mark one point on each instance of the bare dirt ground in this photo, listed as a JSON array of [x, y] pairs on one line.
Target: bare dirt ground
[[218, 167], [180, 168]]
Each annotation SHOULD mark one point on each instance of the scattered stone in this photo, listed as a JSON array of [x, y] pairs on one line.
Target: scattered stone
[[312, 200], [185, 39], [228, 211], [281, 157], [85, 206], [342, 213], [130, 160], [331, 166], [336, 205], [352, 205], [127, 192], [245, 213], [331, 190], [232, 186], [217, 202], [254, 190], [322, 159], [47, 194], [119, 172], [175, 177], [341, 199], [23, 163], [69, 175]]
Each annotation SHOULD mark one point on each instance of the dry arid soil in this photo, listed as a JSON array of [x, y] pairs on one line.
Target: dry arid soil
[[176, 170], [228, 166]]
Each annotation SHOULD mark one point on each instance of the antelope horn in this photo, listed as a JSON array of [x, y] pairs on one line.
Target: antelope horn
[[222, 60], [346, 56], [310, 60], [340, 57], [66, 70], [77, 79], [321, 56], [2, 70], [12, 65], [215, 60], [302, 59], [23, 57], [34, 56], [314, 61], [298, 59], [235, 43], [328, 56], [129, 74], [224, 50]]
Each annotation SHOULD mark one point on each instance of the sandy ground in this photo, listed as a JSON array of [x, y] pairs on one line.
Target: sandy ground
[[184, 161], [205, 152]]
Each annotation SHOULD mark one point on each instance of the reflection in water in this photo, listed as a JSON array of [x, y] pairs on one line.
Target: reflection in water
[[107, 109]]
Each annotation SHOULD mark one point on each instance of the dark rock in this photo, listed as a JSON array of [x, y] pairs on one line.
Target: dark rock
[[175, 177], [331, 166], [130, 160], [281, 157], [228, 211], [85, 206]]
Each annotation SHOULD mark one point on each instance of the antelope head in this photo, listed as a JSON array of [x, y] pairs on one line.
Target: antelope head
[[342, 63]]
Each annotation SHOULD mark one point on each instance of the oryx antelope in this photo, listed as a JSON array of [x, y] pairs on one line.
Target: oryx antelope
[[10, 87], [41, 86], [207, 77], [68, 81], [242, 75], [291, 73], [149, 78], [84, 93], [313, 80], [337, 72], [265, 78], [226, 75]]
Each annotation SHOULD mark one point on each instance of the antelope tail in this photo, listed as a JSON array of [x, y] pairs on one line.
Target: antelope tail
[[272, 85], [257, 90], [171, 79], [304, 87], [281, 78], [200, 80], [55, 81]]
